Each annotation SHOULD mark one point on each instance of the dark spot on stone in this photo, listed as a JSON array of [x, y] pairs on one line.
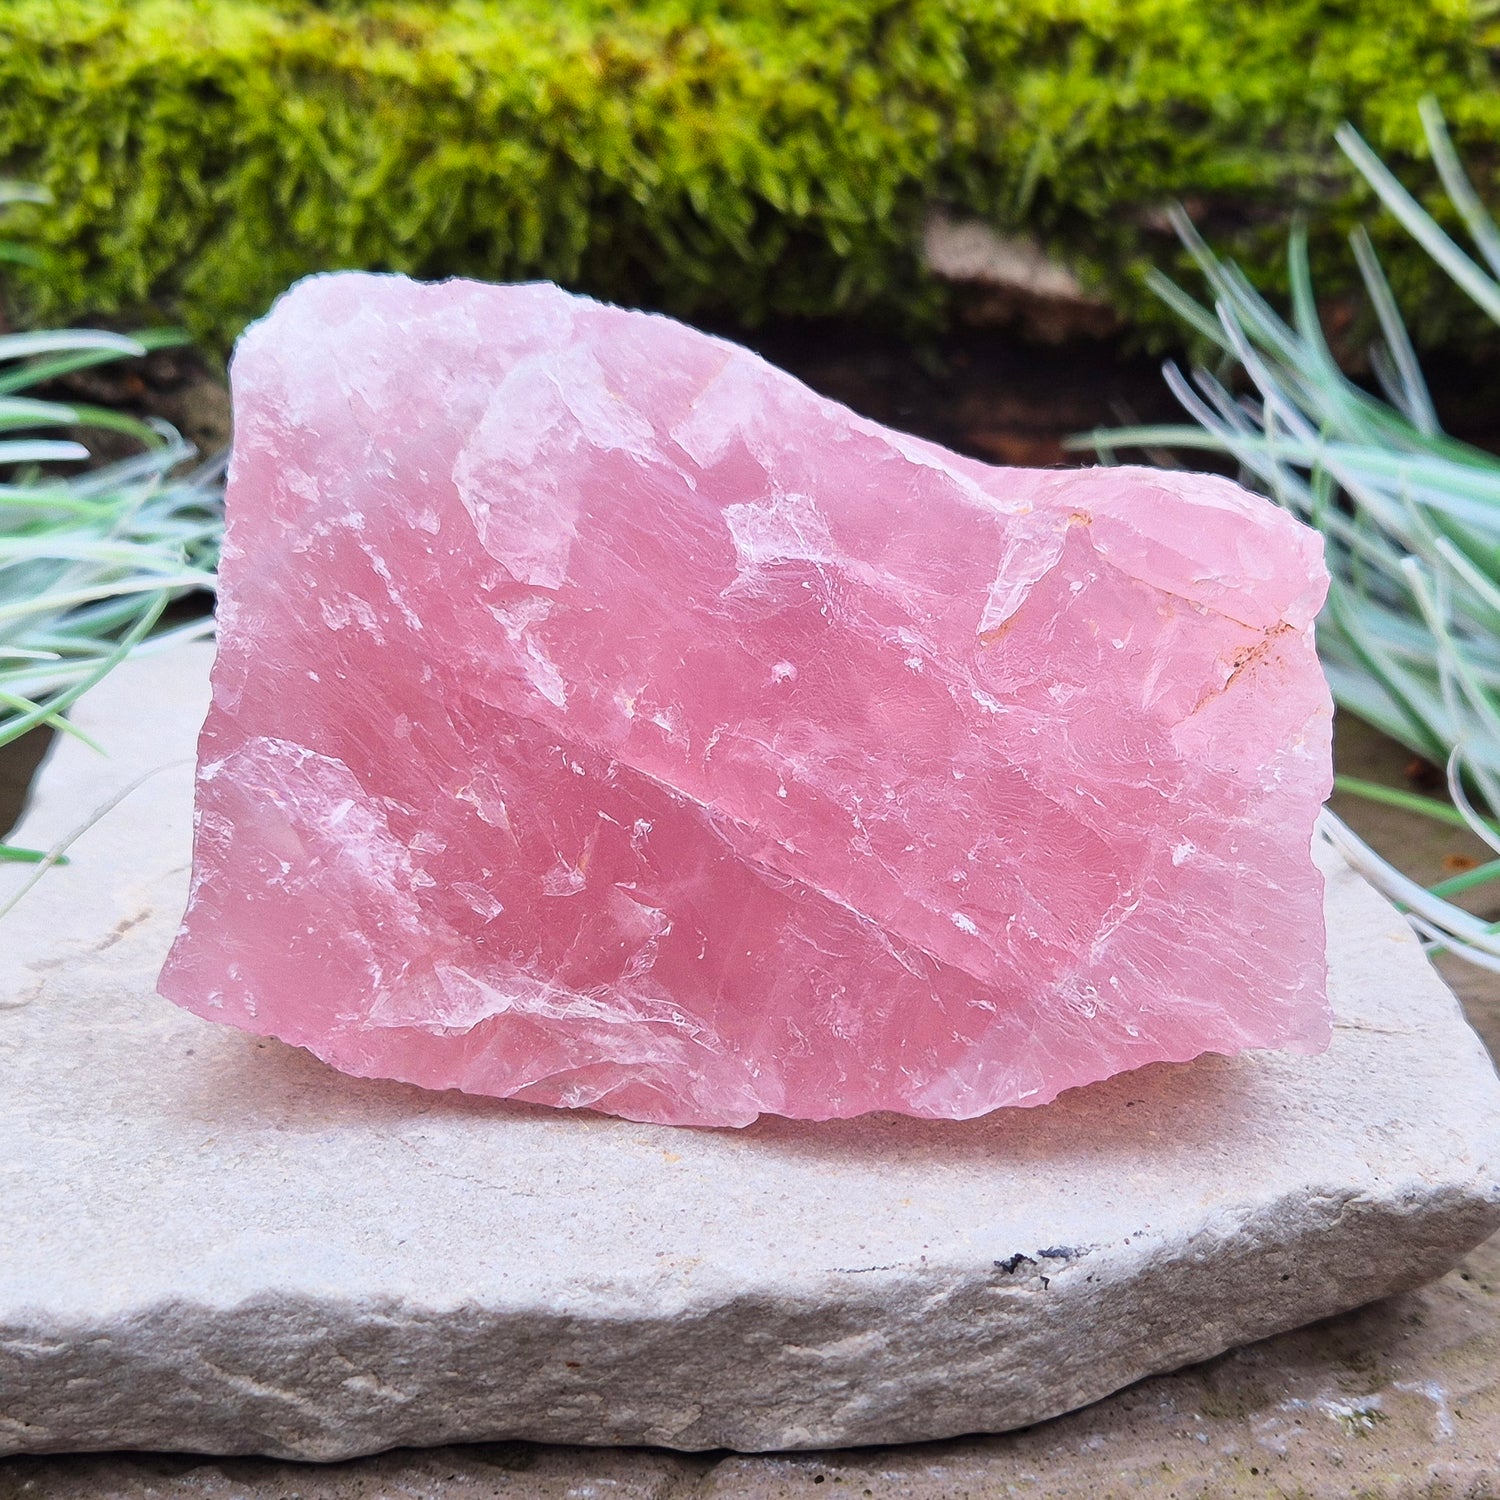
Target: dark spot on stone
[[1014, 1264]]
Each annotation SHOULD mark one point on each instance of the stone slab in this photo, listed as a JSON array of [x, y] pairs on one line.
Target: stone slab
[[1396, 1401], [211, 1242]]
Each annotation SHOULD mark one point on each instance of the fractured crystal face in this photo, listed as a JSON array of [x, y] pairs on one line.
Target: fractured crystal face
[[601, 718]]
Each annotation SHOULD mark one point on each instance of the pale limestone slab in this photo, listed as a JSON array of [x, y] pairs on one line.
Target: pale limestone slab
[[211, 1242]]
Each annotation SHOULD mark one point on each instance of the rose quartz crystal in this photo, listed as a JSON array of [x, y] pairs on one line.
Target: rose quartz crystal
[[603, 719]]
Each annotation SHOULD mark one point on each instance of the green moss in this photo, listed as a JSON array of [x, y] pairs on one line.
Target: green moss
[[735, 158]]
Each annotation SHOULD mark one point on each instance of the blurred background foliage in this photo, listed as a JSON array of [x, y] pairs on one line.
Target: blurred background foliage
[[714, 158]]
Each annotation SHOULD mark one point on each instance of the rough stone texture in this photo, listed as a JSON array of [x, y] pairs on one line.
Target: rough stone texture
[[608, 720], [1397, 1401], [212, 1242]]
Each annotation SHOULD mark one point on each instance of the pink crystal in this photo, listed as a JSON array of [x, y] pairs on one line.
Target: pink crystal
[[603, 719]]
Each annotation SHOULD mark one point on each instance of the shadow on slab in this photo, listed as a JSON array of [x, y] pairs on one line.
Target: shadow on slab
[[245, 1080]]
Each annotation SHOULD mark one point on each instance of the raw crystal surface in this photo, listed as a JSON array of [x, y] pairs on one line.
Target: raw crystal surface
[[601, 718]]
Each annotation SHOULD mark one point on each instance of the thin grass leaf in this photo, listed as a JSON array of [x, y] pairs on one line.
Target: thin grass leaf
[[56, 855], [1414, 802], [53, 721], [1456, 183], [41, 451], [59, 340], [39, 370], [14, 854], [18, 725], [1192, 313], [1418, 223], [1470, 880], [1451, 922], [1415, 401]]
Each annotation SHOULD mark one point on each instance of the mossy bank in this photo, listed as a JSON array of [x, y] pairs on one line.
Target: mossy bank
[[733, 159]]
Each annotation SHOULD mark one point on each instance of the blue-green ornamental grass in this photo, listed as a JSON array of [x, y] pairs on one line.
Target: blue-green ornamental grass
[[89, 558], [1410, 637]]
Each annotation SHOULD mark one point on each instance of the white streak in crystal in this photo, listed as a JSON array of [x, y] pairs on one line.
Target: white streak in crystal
[[563, 880], [718, 414], [1031, 550], [915, 451], [517, 618], [382, 568], [519, 474], [479, 900], [786, 528], [669, 721], [338, 613], [542, 673], [484, 793]]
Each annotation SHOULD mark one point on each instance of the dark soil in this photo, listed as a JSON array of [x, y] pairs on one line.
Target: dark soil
[[983, 391]]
